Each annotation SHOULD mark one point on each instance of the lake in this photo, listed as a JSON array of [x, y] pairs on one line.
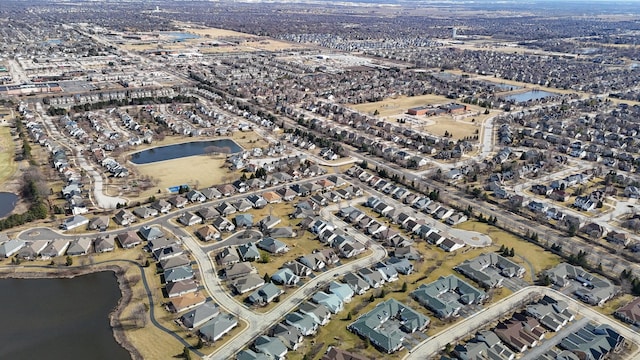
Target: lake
[[178, 151], [59, 318], [529, 95], [8, 202]]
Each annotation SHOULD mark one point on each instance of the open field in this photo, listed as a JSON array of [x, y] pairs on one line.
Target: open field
[[8, 165], [537, 256], [460, 126]]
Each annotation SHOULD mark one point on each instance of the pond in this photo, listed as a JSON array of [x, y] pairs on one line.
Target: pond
[[59, 318], [178, 151], [529, 95], [180, 36], [8, 202]]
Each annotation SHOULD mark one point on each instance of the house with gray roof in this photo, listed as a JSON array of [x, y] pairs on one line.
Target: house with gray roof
[[285, 276], [161, 205], [271, 347], [178, 201], [32, 249], [257, 201], [272, 245], [447, 295], [331, 301], [100, 223], [269, 222], [290, 336], [57, 247], [315, 261], [207, 213], [356, 283], [297, 268], [74, 222], [242, 204], [594, 290], [237, 270], [247, 283], [217, 327], [11, 247], [490, 269], [228, 256], [265, 294], [211, 193], [168, 252], [303, 322], [178, 274], [124, 217], [189, 219], [224, 208], [144, 212], [402, 266], [243, 220], [282, 232], [179, 288], [104, 244], [181, 260], [128, 239], [485, 345], [552, 314], [318, 312], [222, 224], [342, 291], [249, 252], [159, 243], [388, 339], [596, 341], [150, 233], [200, 315], [373, 277], [249, 354], [80, 246]]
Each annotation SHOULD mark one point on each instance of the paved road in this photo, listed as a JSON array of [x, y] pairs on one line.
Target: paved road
[[429, 348]]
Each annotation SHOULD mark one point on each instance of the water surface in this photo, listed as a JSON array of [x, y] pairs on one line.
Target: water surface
[[178, 151], [8, 202]]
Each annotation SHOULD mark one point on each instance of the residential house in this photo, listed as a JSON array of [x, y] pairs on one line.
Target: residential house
[[285, 276], [150, 233], [257, 201], [207, 213], [208, 233], [334, 353], [373, 277], [227, 256], [57, 247], [247, 283], [128, 239], [180, 288], [272, 197], [315, 261], [168, 252], [595, 290], [80, 246], [630, 313], [269, 222], [343, 291], [178, 274], [178, 201], [217, 327], [186, 302], [318, 312], [174, 262], [620, 238], [290, 336], [74, 222], [282, 232], [447, 295], [161, 206], [104, 244], [225, 209], [451, 244], [11, 247], [189, 219], [195, 196], [243, 220], [249, 252], [270, 346], [236, 270], [223, 225], [297, 268], [489, 270], [356, 283], [331, 301], [100, 223], [200, 315], [265, 294], [144, 212], [124, 217], [211, 193], [272, 245], [31, 250], [302, 322]]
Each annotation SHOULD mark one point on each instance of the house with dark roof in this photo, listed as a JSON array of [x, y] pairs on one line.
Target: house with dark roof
[[150, 233], [228, 256], [290, 336], [285, 276], [593, 341], [447, 295], [174, 262], [249, 252], [223, 225], [81, 246], [490, 269], [178, 201], [318, 312], [302, 322], [356, 283], [630, 313], [334, 353], [272, 245], [552, 314], [161, 205], [200, 315], [297, 268], [389, 339], [124, 217], [594, 290]]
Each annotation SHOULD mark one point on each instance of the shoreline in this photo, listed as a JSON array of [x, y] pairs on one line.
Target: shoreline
[[70, 273]]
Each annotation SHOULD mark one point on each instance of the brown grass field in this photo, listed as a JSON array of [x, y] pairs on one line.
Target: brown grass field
[[8, 166]]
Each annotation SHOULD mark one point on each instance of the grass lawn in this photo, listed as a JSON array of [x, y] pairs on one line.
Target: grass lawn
[[8, 165], [539, 258], [612, 305]]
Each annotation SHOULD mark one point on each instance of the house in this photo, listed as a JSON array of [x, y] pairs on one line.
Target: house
[[270, 346], [620, 238], [249, 354], [269, 222], [373, 277], [489, 270], [207, 213], [318, 312], [178, 201], [223, 225], [144, 212], [356, 283], [208, 233], [290, 336], [595, 290], [402, 266], [195, 196], [243, 204], [236, 270], [630, 313], [265, 294], [226, 189], [552, 314], [100, 223], [286, 194], [56, 248], [81, 246], [200, 315], [388, 339], [226, 209], [217, 327], [104, 244], [211, 193], [297, 268], [331, 301], [594, 230], [272, 245], [249, 252], [598, 341], [247, 283], [168, 252], [189, 219], [30, 252], [272, 197], [150, 233], [124, 217], [315, 261], [451, 244], [227, 256], [409, 253], [74, 222], [161, 206], [178, 274], [243, 220], [179, 288], [11, 247], [486, 344], [282, 232], [343, 291], [456, 219], [334, 353], [257, 201], [518, 334], [174, 262], [128, 239], [302, 322], [285, 276], [447, 295], [159, 243], [186, 302]]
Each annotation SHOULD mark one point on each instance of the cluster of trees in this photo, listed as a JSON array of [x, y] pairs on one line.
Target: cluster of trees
[[579, 259], [34, 190], [506, 252], [491, 220], [628, 277], [56, 111]]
